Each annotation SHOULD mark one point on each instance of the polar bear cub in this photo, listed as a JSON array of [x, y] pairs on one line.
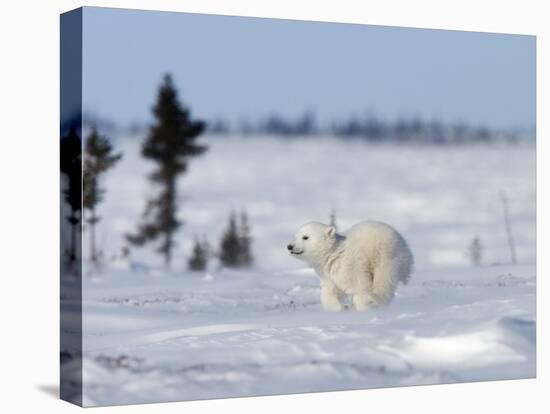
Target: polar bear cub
[[366, 262]]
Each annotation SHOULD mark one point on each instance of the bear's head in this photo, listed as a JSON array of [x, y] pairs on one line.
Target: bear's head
[[312, 242]]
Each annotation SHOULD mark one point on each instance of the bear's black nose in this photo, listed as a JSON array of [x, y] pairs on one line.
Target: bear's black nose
[[289, 247]]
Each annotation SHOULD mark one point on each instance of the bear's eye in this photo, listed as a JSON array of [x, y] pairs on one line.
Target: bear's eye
[[305, 237]]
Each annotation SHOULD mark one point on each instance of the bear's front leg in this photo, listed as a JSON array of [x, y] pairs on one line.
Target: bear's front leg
[[331, 296], [363, 301]]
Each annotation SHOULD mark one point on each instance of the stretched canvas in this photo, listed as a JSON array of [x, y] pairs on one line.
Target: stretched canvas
[[256, 206]]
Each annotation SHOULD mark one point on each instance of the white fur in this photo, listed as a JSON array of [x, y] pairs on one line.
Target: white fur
[[367, 261]]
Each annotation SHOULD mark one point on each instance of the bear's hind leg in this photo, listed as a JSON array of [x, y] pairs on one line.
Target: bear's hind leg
[[331, 296], [386, 276], [362, 293]]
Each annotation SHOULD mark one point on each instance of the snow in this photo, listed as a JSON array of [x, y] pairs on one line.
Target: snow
[[155, 335]]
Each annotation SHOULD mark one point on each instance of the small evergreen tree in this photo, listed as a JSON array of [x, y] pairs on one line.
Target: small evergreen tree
[[245, 242], [170, 144], [98, 158], [475, 251], [235, 247], [199, 258], [230, 244], [70, 165]]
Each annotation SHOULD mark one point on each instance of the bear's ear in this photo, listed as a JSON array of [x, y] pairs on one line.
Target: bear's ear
[[330, 231]]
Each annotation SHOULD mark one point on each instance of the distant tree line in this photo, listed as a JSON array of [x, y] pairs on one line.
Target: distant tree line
[[370, 128]]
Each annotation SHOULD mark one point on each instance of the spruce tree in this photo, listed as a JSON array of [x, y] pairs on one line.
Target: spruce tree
[[245, 241], [170, 144], [235, 246], [199, 257], [98, 158], [70, 164], [230, 244], [475, 251]]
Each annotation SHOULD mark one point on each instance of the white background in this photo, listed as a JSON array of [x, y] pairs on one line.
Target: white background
[[29, 85]]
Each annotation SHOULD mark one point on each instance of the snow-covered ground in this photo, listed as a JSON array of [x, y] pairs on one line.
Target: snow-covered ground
[[156, 335]]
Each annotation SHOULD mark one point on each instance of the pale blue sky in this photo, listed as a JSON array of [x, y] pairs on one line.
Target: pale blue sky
[[238, 67]]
